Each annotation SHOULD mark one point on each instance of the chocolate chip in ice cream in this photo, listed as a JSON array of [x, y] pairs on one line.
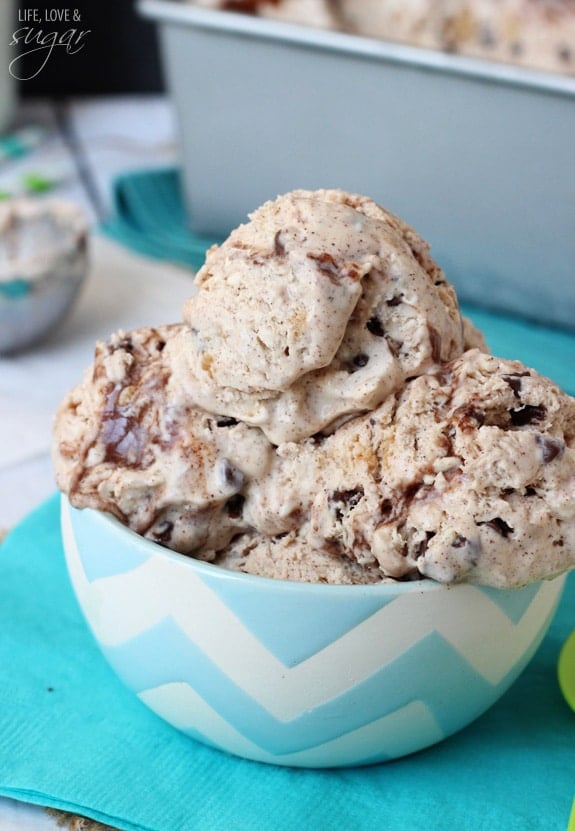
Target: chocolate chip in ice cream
[[359, 361], [395, 300], [229, 475], [499, 525], [515, 382], [345, 499], [527, 414], [225, 421], [550, 448], [162, 532], [235, 505], [374, 325]]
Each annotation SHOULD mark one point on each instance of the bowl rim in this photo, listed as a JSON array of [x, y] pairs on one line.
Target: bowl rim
[[203, 567]]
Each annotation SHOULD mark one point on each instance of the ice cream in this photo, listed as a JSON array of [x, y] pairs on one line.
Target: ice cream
[[538, 34], [466, 474], [315, 310], [171, 473], [317, 13], [250, 435]]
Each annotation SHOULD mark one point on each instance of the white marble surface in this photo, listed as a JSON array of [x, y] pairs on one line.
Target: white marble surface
[[86, 143]]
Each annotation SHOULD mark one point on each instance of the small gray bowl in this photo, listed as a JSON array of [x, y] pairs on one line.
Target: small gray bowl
[[43, 264]]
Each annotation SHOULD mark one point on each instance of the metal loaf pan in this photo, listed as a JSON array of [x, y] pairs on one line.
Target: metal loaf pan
[[478, 157]]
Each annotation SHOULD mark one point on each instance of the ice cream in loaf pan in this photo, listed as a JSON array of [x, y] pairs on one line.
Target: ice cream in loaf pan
[[535, 34]]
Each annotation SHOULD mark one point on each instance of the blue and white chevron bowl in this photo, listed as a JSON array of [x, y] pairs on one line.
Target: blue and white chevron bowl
[[298, 674]]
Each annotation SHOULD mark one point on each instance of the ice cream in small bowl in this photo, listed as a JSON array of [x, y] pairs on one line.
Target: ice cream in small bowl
[[298, 674], [316, 523], [43, 265]]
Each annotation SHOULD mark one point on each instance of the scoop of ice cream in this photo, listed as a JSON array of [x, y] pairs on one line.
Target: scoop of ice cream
[[171, 473], [488, 475], [467, 474], [316, 309]]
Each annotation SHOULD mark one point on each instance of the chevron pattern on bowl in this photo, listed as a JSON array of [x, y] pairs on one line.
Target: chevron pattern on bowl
[[298, 674]]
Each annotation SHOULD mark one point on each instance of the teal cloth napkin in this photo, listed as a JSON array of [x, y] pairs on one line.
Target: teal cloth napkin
[[74, 738], [148, 215]]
